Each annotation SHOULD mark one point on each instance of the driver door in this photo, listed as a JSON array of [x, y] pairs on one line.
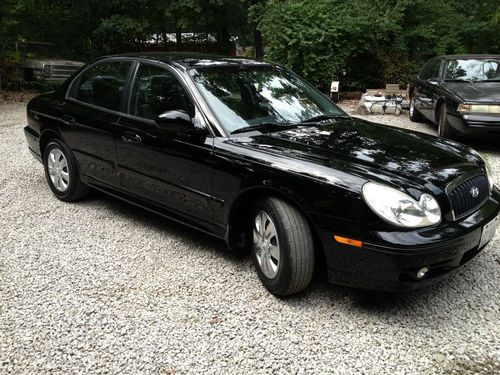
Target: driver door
[[426, 95], [168, 169]]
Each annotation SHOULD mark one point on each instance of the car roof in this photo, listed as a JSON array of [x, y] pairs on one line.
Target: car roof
[[470, 56], [193, 60]]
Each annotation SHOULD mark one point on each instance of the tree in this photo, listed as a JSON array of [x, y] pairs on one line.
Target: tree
[[375, 41], [9, 13]]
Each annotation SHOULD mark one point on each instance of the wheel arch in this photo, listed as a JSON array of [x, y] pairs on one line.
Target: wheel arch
[[46, 136], [236, 223]]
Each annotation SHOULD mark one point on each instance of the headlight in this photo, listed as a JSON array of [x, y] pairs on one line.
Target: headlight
[[478, 108], [399, 208]]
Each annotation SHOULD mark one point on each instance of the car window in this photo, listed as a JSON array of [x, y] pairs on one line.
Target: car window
[[155, 91], [103, 84], [472, 69], [245, 96], [431, 70]]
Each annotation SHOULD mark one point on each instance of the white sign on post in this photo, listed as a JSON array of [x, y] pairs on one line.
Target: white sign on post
[[334, 87]]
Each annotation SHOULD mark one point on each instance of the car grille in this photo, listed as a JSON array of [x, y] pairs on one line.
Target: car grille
[[62, 71], [461, 197]]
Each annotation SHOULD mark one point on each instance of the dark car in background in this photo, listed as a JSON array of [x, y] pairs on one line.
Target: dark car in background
[[459, 93], [249, 152]]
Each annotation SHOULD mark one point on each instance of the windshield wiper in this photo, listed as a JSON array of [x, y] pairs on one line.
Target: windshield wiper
[[325, 117], [270, 125], [265, 126]]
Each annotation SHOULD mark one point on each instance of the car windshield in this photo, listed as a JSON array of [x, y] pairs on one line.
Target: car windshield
[[247, 96], [472, 70]]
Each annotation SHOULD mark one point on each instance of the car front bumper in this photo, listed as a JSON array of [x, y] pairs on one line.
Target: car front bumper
[[389, 261], [475, 125]]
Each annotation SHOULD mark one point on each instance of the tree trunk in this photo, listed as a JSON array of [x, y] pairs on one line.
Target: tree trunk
[[257, 44], [178, 40], [164, 37]]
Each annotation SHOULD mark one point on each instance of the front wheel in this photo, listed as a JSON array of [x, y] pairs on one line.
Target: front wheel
[[282, 247], [62, 173], [415, 115]]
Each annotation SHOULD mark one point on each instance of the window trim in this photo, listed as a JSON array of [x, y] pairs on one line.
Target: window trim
[[427, 65], [203, 111], [72, 87], [130, 86], [199, 112]]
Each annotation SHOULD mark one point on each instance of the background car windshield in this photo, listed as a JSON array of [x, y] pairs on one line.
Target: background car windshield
[[242, 97], [473, 70]]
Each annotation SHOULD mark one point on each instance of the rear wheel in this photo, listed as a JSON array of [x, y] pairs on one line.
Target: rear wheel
[[61, 172], [282, 247], [444, 127], [415, 115]]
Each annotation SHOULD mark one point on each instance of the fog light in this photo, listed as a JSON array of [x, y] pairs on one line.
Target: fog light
[[422, 272]]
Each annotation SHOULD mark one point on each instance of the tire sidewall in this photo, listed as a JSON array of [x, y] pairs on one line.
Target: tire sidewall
[[279, 284], [414, 114], [72, 170], [443, 126]]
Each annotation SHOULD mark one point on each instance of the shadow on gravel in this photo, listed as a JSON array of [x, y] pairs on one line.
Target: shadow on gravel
[[191, 237], [412, 308]]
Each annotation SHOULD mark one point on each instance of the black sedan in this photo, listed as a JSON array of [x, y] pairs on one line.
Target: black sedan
[[459, 93], [251, 153]]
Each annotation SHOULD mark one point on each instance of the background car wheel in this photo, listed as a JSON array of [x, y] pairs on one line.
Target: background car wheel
[[61, 172], [415, 115], [444, 128], [282, 247]]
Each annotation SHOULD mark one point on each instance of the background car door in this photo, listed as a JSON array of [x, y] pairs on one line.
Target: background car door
[[426, 95], [90, 116], [173, 170]]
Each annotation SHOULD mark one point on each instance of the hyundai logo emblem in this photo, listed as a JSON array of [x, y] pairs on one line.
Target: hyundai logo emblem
[[474, 191]]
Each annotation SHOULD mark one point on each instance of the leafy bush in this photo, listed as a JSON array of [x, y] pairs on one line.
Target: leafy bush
[[373, 41]]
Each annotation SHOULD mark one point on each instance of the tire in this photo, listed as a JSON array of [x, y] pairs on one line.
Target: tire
[[62, 173], [278, 225], [444, 127], [415, 115]]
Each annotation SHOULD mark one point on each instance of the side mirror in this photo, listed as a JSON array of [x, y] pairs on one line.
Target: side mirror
[[432, 81], [175, 121]]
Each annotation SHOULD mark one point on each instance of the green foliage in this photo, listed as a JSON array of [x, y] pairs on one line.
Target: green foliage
[[374, 41]]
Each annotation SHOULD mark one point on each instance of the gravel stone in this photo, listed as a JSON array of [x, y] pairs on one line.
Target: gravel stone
[[101, 286]]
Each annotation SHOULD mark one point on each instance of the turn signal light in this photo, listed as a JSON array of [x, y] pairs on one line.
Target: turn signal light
[[348, 241]]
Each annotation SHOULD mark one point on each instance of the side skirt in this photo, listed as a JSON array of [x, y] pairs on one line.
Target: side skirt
[[215, 232]]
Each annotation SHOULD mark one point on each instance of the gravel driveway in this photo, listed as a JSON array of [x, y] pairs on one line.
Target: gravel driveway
[[101, 286]]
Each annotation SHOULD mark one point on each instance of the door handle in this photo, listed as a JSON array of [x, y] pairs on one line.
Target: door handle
[[68, 120], [131, 138]]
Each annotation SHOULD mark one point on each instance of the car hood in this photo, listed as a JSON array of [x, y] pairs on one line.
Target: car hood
[[484, 92], [364, 148]]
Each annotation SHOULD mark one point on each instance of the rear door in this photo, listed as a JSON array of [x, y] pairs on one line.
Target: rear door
[[90, 115], [171, 170]]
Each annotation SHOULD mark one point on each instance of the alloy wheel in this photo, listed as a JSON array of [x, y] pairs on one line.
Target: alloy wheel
[[57, 165], [266, 245]]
